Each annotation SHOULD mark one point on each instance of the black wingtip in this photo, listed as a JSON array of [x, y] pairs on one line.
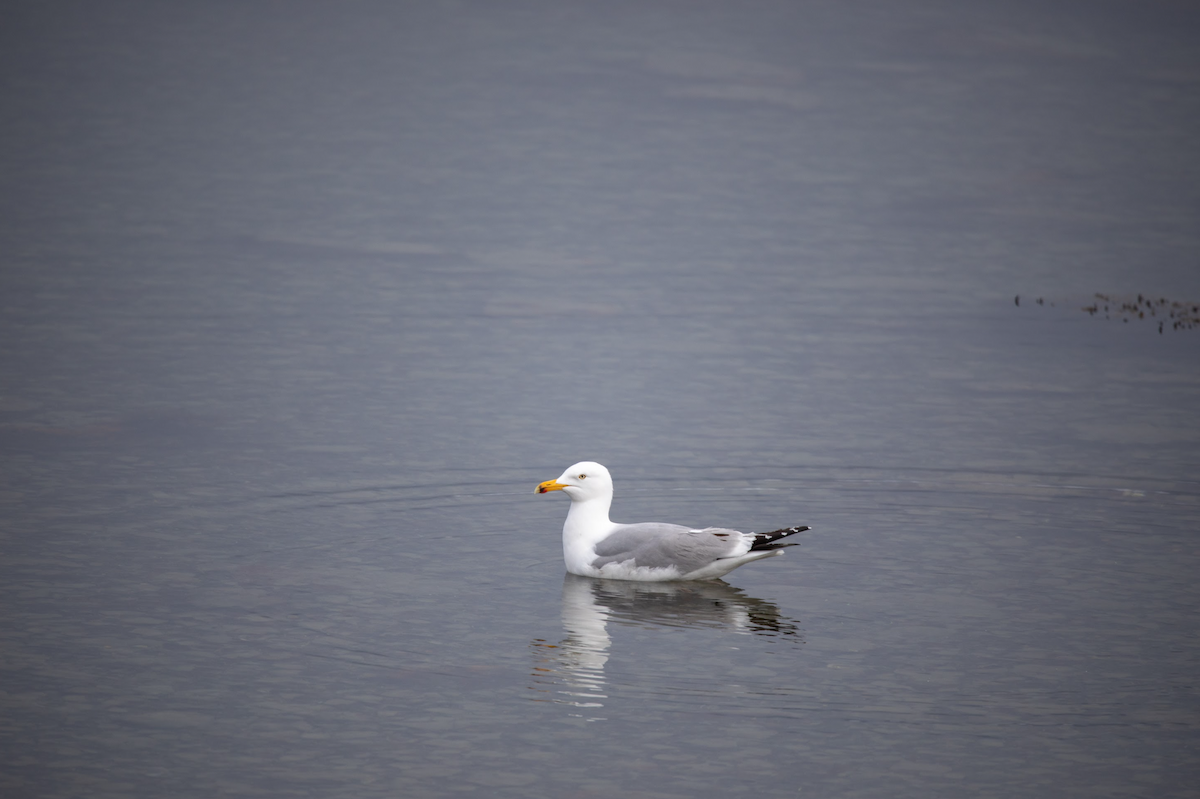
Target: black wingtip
[[772, 539]]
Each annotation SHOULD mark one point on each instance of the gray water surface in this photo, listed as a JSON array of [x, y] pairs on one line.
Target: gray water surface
[[300, 301]]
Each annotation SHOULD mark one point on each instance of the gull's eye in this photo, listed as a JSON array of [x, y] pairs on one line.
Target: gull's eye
[[583, 477]]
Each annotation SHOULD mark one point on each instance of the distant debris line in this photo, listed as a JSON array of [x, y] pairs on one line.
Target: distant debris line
[[1180, 315]]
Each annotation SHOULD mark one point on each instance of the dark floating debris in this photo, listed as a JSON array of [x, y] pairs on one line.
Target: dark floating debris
[[1180, 315]]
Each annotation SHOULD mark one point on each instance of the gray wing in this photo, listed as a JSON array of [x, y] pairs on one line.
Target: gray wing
[[659, 546]]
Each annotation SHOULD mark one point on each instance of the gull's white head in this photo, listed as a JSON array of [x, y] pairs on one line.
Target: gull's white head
[[581, 482]]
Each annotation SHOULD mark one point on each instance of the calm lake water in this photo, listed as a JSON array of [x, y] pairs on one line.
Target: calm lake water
[[301, 301]]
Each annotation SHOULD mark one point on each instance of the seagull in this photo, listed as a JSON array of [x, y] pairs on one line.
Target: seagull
[[594, 546]]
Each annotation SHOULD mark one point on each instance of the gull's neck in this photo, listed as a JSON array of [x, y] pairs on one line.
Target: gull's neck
[[587, 524], [587, 521]]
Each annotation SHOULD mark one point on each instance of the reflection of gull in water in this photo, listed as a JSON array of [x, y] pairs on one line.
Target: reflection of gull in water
[[711, 603], [574, 668]]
